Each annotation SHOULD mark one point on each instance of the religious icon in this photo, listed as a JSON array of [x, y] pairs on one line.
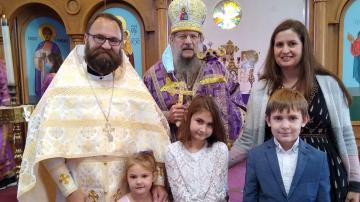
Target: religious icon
[[183, 14], [350, 55], [355, 51], [127, 41], [247, 64], [43, 50], [128, 47]]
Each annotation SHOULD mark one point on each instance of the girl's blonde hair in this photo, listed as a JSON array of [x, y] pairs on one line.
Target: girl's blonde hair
[[145, 159]]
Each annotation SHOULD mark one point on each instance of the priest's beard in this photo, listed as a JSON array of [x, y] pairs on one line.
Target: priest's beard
[[102, 61], [187, 69]]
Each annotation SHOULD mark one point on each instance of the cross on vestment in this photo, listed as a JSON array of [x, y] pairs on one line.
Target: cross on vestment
[[64, 179], [93, 196], [109, 130]]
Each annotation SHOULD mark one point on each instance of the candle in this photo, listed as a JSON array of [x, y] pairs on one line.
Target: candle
[[7, 51]]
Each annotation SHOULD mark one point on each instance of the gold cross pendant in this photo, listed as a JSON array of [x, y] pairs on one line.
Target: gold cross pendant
[[108, 130]]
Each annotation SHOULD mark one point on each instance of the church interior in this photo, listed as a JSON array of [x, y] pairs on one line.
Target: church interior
[[31, 31]]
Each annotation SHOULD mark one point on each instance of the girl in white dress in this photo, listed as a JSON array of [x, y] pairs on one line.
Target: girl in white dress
[[197, 164], [140, 173]]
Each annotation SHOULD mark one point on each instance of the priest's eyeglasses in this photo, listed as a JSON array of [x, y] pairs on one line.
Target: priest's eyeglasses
[[100, 39]]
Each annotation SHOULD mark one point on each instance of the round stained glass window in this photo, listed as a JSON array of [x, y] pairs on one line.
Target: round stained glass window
[[227, 14]]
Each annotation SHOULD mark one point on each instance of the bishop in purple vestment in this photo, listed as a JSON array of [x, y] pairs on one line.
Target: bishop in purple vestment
[[7, 163], [211, 79], [183, 72], [180, 74]]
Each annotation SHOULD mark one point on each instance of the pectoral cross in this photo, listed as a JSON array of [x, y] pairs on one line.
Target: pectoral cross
[[108, 130]]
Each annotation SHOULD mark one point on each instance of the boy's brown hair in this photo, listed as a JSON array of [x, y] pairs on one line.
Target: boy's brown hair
[[287, 99]]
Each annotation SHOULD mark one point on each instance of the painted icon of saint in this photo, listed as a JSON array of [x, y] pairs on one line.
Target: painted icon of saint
[[43, 50], [355, 51]]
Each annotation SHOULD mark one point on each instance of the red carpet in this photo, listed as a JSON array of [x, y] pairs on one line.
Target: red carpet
[[8, 194]]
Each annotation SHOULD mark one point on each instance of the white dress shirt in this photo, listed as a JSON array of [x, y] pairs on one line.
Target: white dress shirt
[[287, 162]]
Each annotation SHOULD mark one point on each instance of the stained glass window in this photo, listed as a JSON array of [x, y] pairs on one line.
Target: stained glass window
[[227, 14]]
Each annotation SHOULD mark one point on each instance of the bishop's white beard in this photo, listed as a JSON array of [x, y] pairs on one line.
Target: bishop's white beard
[[187, 70]]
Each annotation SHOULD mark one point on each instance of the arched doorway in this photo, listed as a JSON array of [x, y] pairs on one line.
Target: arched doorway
[[36, 36]]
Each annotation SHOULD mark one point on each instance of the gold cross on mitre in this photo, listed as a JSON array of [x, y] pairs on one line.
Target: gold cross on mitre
[[64, 178], [176, 88], [108, 130]]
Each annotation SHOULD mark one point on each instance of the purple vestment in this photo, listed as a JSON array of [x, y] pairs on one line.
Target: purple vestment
[[7, 163], [212, 80]]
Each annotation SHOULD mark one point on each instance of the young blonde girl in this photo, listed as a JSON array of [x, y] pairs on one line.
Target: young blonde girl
[[140, 174], [197, 164]]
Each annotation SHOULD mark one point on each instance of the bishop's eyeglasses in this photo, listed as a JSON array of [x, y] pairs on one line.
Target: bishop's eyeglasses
[[100, 39]]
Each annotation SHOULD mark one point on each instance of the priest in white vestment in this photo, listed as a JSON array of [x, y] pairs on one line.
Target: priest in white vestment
[[95, 113]]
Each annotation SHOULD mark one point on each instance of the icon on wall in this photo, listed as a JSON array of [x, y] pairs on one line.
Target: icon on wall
[[45, 38], [355, 51], [227, 14], [132, 35], [350, 56], [127, 41], [43, 50]]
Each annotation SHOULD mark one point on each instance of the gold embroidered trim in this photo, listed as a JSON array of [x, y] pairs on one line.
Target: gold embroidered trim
[[117, 195], [214, 79], [160, 167], [96, 122], [157, 89], [93, 196]]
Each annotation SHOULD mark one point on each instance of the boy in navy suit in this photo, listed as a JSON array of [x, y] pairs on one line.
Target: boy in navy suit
[[285, 168]]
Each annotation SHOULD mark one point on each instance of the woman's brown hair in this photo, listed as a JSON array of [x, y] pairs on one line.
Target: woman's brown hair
[[309, 67]]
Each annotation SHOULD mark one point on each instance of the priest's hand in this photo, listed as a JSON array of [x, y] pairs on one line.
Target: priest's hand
[[176, 113], [159, 193], [352, 197], [76, 196]]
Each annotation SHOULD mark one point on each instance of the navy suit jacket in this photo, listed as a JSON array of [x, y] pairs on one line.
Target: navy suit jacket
[[263, 181]]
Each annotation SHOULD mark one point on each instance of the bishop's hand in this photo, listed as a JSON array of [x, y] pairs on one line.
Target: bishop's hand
[[176, 113]]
